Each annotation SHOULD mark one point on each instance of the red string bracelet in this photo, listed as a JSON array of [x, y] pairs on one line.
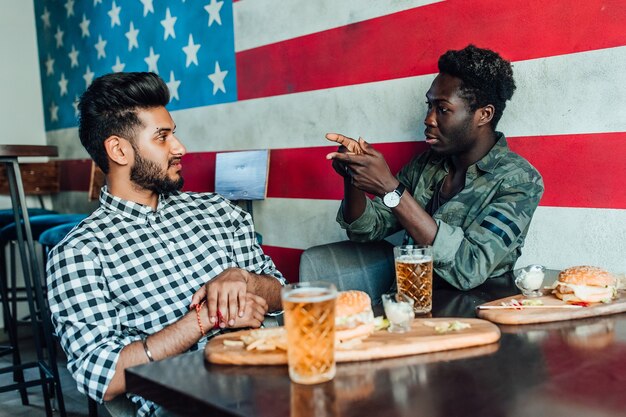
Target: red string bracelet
[[198, 308]]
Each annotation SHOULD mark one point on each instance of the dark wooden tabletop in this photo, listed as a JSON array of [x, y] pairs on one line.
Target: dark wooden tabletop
[[14, 151], [568, 368]]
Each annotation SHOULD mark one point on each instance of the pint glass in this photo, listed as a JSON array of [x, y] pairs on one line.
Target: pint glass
[[310, 323], [414, 274]]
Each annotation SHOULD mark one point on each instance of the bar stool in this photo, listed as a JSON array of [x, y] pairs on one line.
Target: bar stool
[[38, 179], [53, 236], [40, 225], [8, 236], [6, 218], [41, 325]]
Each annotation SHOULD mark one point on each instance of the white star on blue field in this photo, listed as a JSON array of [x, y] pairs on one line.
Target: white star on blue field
[[189, 44]]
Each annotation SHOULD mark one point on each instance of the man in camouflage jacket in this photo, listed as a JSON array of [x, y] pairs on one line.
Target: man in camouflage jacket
[[468, 196]]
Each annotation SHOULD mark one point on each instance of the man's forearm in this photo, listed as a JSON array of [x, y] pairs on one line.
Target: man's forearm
[[353, 202], [415, 220], [172, 340], [267, 287]]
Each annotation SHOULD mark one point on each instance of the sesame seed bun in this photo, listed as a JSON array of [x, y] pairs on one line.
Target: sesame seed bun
[[352, 302], [587, 275], [354, 318], [585, 283]]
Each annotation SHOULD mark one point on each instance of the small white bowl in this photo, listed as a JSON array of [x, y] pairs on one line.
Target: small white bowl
[[399, 311], [530, 280]]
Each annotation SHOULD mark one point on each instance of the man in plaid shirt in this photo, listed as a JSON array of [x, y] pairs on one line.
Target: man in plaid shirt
[[124, 283]]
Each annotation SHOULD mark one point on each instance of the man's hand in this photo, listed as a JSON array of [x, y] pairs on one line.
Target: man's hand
[[254, 313], [347, 146], [225, 293], [352, 146], [367, 166]]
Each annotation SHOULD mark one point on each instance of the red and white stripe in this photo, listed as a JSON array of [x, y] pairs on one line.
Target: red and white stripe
[[306, 68]]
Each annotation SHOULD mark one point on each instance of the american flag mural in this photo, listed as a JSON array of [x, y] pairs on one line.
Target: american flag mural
[[190, 44], [297, 69]]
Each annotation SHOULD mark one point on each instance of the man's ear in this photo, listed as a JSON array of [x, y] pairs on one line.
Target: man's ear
[[485, 114], [118, 150]]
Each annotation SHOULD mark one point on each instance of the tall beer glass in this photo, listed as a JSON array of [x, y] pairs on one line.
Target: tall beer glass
[[414, 274], [310, 322]]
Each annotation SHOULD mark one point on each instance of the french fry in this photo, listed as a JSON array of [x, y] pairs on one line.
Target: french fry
[[262, 340], [233, 343], [349, 344]]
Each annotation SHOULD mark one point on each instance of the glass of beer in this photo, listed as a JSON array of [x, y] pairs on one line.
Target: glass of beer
[[310, 323], [414, 274]]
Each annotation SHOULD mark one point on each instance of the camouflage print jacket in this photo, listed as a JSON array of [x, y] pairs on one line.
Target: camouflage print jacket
[[481, 229]]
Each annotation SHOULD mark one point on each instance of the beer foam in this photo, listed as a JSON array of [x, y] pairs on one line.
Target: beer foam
[[309, 295], [414, 259]]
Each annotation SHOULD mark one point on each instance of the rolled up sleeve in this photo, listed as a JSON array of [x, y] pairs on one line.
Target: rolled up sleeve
[[376, 222], [84, 319]]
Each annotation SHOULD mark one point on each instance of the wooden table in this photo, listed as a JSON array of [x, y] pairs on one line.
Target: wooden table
[[571, 368], [33, 279]]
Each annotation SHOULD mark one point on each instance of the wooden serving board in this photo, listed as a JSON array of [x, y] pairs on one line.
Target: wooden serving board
[[381, 344], [541, 315]]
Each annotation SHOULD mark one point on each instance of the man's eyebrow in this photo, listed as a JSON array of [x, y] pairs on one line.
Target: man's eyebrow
[[164, 129], [437, 100]]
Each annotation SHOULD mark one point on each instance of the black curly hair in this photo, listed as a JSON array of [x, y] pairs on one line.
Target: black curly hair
[[486, 78], [109, 107]]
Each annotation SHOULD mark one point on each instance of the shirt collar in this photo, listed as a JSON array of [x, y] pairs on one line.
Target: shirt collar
[[127, 208]]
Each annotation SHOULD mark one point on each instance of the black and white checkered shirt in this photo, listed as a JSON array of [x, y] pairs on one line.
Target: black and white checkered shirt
[[127, 271]]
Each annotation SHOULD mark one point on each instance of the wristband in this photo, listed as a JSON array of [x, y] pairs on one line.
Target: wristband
[[198, 308], [144, 341]]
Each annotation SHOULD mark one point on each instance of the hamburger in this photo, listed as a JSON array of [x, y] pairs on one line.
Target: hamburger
[[588, 284], [354, 318]]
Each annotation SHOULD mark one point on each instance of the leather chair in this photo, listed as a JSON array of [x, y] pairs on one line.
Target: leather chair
[[368, 267]]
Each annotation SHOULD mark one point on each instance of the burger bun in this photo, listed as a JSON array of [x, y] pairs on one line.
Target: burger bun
[[354, 318], [585, 284], [587, 275]]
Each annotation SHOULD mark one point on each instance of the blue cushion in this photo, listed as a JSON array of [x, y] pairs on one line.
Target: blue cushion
[[6, 216], [53, 236], [40, 224]]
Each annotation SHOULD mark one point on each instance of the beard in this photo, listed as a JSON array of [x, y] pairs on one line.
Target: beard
[[458, 138], [148, 175]]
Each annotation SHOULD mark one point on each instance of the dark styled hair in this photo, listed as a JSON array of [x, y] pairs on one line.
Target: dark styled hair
[[110, 105], [486, 78]]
